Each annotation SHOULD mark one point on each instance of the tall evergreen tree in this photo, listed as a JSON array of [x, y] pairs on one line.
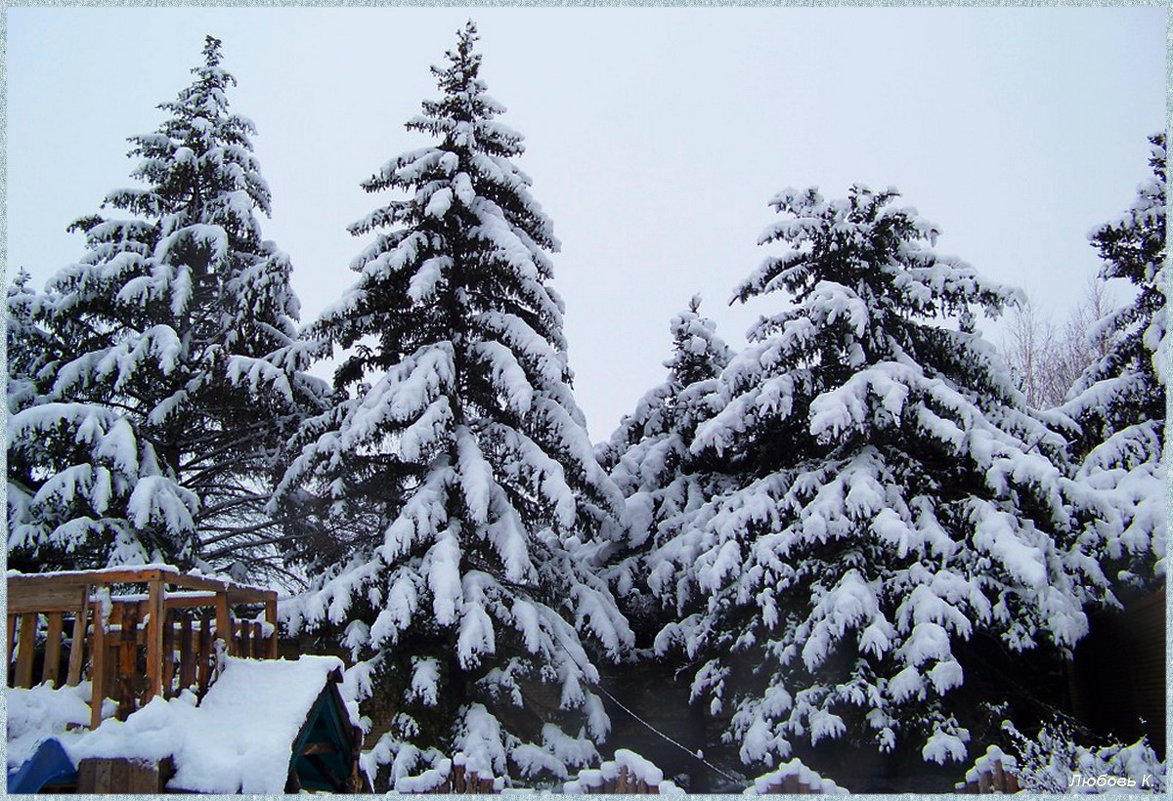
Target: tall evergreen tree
[[456, 465], [1120, 401], [895, 499], [179, 377], [649, 458]]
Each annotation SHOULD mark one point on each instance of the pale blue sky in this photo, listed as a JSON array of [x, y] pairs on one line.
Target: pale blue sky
[[655, 137]]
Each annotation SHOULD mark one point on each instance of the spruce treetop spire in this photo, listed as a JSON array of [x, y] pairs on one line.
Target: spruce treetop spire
[[212, 51]]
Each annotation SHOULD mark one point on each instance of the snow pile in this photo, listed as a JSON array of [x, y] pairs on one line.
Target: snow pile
[[772, 783], [39, 713], [239, 739], [592, 781]]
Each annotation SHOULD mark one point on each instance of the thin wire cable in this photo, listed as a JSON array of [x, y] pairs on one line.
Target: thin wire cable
[[620, 704]]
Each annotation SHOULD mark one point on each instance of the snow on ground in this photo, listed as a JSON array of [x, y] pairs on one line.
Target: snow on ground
[[239, 739]]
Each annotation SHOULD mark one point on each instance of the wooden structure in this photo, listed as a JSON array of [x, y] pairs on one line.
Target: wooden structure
[[134, 632], [105, 776], [625, 783], [325, 751], [794, 784], [466, 782]]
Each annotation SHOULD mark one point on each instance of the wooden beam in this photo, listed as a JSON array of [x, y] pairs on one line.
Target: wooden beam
[[191, 599]]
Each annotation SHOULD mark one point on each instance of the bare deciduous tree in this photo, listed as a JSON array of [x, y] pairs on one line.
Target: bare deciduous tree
[[1046, 358]]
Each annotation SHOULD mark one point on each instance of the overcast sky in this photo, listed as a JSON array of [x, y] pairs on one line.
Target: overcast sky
[[655, 137]]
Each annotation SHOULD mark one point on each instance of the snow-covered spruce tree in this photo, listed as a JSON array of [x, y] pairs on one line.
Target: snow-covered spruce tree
[[649, 459], [1120, 401], [458, 468], [178, 376], [896, 501]]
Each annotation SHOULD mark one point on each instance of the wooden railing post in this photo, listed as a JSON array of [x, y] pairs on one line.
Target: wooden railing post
[[224, 624], [26, 649], [271, 619], [51, 671], [11, 637], [155, 622], [98, 666], [77, 647], [186, 655]]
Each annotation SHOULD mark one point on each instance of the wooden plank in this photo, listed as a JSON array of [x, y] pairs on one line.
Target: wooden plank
[[52, 668], [106, 776], [98, 665], [11, 637], [78, 645], [983, 782], [186, 654], [204, 656], [168, 655], [43, 598], [93, 776], [156, 622], [26, 650], [271, 651], [127, 663], [998, 778]]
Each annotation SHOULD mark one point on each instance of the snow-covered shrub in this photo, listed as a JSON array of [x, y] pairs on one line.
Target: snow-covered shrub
[[1054, 762]]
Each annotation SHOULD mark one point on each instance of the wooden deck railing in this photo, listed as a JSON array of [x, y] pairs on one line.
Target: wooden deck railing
[[132, 645]]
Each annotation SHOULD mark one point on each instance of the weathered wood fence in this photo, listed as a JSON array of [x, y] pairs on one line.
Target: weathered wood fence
[[132, 645]]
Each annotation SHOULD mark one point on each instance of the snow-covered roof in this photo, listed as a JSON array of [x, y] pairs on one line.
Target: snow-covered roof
[[238, 739]]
